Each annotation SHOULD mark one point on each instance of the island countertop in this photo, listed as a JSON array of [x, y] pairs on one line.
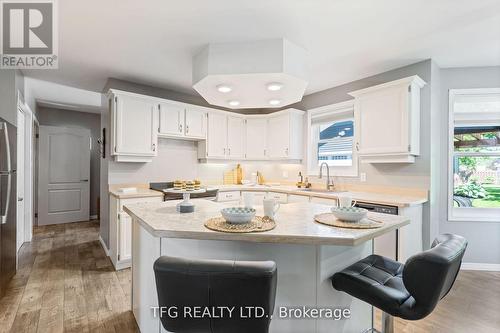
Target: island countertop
[[294, 224]]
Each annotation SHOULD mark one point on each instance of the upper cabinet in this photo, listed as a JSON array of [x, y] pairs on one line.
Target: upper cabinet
[[256, 138], [276, 136], [179, 120], [387, 118], [235, 137], [133, 127], [285, 135]]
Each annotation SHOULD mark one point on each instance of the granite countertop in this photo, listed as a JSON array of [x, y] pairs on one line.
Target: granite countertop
[[370, 197], [139, 193], [295, 224]]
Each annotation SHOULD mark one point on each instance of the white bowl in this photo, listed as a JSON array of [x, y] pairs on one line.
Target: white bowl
[[349, 214], [238, 215]]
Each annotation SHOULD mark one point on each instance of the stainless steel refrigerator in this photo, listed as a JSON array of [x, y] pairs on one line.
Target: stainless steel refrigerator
[[8, 202]]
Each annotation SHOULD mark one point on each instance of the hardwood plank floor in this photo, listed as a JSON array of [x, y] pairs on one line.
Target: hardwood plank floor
[[65, 283]]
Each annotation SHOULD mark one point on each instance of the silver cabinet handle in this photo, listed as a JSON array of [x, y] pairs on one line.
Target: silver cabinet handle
[[154, 146], [20, 199], [180, 128], [229, 151], [357, 146], [224, 151], [84, 180], [187, 129], [5, 180]]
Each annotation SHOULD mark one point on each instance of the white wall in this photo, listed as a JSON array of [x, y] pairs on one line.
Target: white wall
[[483, 237]]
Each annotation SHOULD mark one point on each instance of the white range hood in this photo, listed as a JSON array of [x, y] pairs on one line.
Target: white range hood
[[260, 74]]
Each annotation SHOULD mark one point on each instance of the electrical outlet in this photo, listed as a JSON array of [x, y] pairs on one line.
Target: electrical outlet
[[362, 177], [285, 174]]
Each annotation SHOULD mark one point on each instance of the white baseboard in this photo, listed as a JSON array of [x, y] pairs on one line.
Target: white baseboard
[[472, 266], [104, 245], [93, 217]]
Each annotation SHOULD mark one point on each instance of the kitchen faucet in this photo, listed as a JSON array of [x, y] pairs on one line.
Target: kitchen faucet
[[329, 182]]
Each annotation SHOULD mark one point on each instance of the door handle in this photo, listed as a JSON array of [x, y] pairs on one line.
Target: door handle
[[84, 180], [4, 197]]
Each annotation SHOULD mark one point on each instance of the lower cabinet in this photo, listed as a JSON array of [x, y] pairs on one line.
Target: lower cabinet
[[120, 230], [324, 201], [297, 198]]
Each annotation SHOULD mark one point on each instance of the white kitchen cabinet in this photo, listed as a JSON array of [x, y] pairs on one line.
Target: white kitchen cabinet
[[387, 118], [195, 122], [179, 120], [258, 197], [292, 198], [133, 127], [216, 143], [285, 135], [256, 138], [228, 196], [235, 137], [171, 118], [325, 201], [280, 197], [120, 229]]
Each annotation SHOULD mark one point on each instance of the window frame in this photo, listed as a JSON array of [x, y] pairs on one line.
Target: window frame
[[311, 164], [467, 214]]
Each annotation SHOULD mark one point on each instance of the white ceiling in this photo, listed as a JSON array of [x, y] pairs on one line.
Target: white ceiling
[[153, 41]]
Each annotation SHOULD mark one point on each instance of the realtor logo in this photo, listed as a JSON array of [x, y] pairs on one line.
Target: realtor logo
[[29, 34]]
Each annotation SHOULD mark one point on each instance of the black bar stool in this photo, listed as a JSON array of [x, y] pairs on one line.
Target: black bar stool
[[189, 286], [410, 291]]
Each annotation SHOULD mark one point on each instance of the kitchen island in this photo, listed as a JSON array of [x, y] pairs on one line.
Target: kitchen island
[[307, 254]]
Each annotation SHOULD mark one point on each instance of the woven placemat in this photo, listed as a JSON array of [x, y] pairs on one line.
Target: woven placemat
[[258, 224], [330, 219]]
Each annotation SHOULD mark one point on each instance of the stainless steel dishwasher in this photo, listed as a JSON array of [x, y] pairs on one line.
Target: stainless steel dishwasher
[[386, 245]]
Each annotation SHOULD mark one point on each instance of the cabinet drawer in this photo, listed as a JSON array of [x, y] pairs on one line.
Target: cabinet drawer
[[324, 201], [258, 197], [281, 197], [297, 198], [228, 196], [123, 202]]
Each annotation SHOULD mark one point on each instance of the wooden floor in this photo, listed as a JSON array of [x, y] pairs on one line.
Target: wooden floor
[[65, 283]]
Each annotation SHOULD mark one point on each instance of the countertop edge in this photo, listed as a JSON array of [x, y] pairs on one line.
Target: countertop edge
[[260, 237]]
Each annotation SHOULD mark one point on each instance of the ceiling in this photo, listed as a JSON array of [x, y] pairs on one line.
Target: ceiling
[[152, 41]]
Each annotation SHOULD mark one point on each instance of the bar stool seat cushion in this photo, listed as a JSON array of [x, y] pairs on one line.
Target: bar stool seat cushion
[[376, 280]]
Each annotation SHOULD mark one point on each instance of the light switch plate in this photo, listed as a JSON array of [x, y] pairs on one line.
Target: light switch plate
[[362, 177]]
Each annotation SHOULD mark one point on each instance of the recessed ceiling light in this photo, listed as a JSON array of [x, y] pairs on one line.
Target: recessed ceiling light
[[224, 88], [274, 102], [234, 103], [275, 86]]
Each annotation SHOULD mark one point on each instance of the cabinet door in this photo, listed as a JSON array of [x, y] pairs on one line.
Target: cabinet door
[[278, 136], [256, 138], [382, 121], [136, 126], [216, 135], [171, 119], [195, 123], [125, 232], [235, 137]]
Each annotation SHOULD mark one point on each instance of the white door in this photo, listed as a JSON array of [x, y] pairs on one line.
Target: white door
[[278, 136], [195, 123], [256, 138], [20, 177], [64, 175], [235, 137], [217, 135], [171, 119], [136, 126]]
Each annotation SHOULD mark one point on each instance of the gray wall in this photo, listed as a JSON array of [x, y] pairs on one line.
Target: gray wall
[[91, 121], [483, 237]]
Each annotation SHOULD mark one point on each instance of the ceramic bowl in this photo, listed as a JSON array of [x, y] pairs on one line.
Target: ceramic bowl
[[349, 214], [238, 215]]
